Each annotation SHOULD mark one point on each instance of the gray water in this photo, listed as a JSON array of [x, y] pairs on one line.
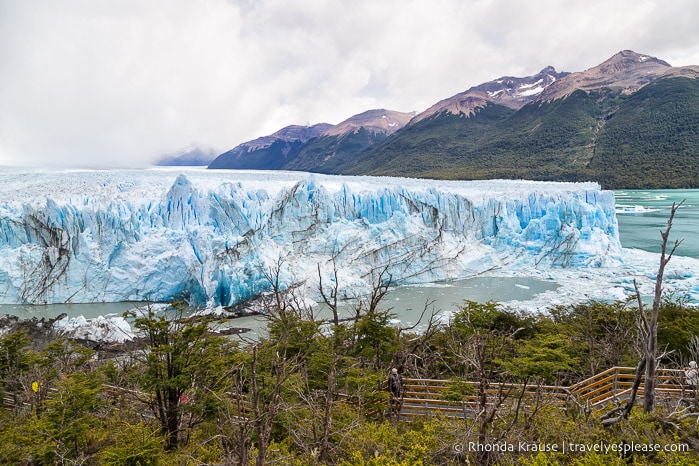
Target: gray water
[[641, 215], [408, 303], [27, 311]]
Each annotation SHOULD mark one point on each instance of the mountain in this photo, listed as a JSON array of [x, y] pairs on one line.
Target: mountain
[[193, 155], [626, 72], [507, 91], [320, 148], [269, 152], [631, 122], [374, 121]]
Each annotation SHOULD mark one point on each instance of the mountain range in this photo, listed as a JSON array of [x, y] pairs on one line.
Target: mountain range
[[322, 148], [630, 122]]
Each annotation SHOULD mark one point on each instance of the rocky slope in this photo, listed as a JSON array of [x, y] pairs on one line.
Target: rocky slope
[[626, 72]]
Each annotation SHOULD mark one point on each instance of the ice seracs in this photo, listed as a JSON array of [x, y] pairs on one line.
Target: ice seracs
[[211, 237]]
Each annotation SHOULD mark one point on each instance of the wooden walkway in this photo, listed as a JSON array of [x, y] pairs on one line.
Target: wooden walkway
[[461, 399], [430, 397], [614, 385]]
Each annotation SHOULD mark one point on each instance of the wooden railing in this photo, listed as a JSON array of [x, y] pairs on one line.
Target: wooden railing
[[615, 385], [422, 397]]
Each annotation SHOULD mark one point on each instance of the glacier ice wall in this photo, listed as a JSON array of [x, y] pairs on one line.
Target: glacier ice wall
[[96, 236]]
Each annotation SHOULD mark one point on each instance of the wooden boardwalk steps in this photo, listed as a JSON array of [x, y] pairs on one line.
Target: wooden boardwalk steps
[[614, 385], [431, 397]]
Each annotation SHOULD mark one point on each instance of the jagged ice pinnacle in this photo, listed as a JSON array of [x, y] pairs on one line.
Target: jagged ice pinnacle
[[103, 236]]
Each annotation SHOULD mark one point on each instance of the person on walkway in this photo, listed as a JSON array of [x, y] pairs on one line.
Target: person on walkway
[[395, 386], [692, 375]]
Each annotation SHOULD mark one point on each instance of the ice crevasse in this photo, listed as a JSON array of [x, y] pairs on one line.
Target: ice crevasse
[[214, 238]]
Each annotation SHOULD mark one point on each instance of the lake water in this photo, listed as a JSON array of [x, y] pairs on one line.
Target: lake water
[[641, 214], [91, 310]]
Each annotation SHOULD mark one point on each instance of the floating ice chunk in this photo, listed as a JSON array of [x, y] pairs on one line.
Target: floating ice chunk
[[102, 328]]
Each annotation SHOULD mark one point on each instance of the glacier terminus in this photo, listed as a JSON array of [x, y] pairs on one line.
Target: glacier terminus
[[212, 237]]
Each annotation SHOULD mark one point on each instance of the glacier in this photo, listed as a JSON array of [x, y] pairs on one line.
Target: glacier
[[214, 238]]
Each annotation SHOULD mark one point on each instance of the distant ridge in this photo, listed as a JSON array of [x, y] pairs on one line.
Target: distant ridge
[[290, 134], [319, 148], [192, 155]]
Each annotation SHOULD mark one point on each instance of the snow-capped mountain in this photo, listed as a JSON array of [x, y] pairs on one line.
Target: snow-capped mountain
[[509, 91], [374, 121], [631, 122]]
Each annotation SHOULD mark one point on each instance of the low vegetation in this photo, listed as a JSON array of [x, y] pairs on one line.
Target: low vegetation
[[307, 392]]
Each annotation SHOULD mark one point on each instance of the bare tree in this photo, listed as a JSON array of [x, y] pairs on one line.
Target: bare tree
[[330, 298], [266, 406], [480, 351], [234, 420], [648, 325], [416, 343], [274, 360]]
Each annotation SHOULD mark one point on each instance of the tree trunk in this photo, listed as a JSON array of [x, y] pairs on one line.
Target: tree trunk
[[649, 384], [327, 414], [172, 420], [651, 346], [258, 413]]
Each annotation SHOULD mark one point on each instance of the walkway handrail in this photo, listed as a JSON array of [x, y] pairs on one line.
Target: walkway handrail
[[613, 384]]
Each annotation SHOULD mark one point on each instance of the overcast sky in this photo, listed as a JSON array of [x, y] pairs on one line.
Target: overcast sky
[[102, 83]]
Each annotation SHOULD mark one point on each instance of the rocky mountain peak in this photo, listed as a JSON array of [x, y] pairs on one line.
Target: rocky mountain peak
[[625, 72], [374, 121], [629, 60], [510, 91], [291, 133]]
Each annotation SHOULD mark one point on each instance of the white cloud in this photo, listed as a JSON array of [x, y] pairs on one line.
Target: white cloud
[[99, 82]]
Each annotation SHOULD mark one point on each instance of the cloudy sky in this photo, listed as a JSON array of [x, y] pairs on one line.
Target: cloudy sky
[[107, 83]]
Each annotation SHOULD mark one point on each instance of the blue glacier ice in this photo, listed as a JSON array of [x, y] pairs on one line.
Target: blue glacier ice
[[214, 237]]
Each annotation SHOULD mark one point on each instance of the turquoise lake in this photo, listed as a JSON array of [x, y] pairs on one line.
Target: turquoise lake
[[643, 214]]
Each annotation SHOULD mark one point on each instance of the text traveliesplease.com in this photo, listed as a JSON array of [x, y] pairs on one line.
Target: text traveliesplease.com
[[570, 447]]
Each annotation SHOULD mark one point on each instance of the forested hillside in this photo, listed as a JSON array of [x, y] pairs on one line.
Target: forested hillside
[[647, 139], [652, 138]]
